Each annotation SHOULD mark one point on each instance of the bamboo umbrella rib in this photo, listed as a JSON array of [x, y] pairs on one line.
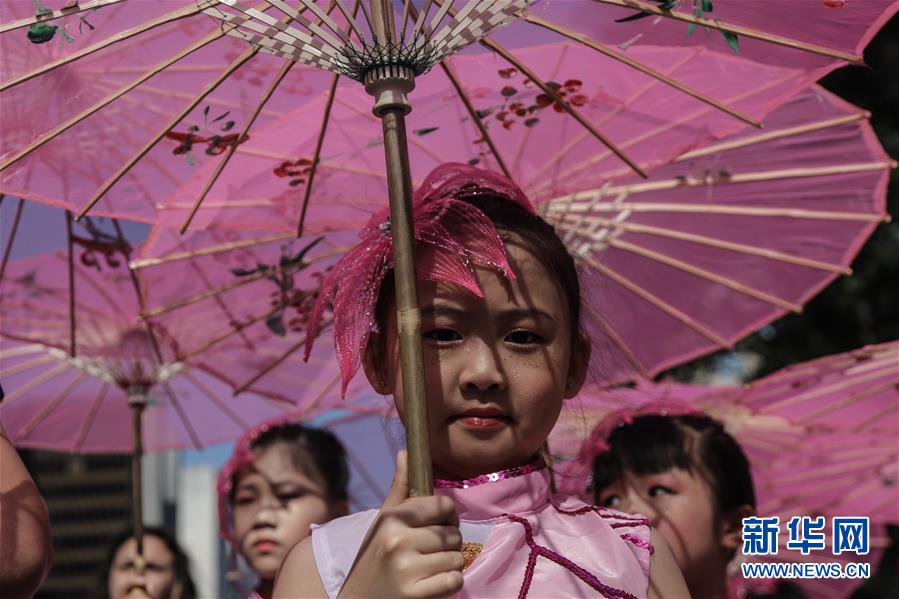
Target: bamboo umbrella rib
[[21, 350], [485, 135], [323, 17], [12, 235], [840, 385], [91, 416], [488, 43], [420, 20], [853, 398], [734, 210], [351, 20], [621, 57], [268, 368], [277, 32], [737, 29], [181, 13], [685, 119], [242, 135], [705, 274], [717, 243], [37, 381], [206, 251], [224, 407], [732, 178], [65, 11], [657, 302], [615, 338], [311, 405], [240, 60], [639, 93], [849, 467], [239, 283], [219, 301], [74, 120], [316, 157], [752, 140], [49, 407], [235, 329], [875, 417], [26, 365], [182, 416]]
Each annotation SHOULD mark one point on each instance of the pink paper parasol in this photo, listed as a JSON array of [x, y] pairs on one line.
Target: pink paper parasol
[[85, 363], [712, 247]]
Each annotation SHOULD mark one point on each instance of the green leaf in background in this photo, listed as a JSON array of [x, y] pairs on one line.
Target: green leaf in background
[[732, 41], [706, 5], [425, 131]]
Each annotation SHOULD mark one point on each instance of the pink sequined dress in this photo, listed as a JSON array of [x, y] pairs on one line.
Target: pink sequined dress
[[531, 543]]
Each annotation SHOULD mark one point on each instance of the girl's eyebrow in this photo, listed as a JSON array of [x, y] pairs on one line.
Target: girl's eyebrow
[[442, 310]]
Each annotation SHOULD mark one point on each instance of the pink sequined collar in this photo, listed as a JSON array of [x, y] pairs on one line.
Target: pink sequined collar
[[516, 490]]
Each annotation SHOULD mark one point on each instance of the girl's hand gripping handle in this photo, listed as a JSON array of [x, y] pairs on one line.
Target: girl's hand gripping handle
[[413, 550]]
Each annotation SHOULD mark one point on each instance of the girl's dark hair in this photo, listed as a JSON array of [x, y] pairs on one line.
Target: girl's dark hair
[[315, 452], [180, 563], [535, 234], [655, 443]]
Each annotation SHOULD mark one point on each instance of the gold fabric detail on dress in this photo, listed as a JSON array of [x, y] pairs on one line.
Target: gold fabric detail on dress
[[469, 552]]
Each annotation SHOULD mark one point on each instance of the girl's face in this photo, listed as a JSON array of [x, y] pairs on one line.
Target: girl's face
[[274, 506], [681, 506], [496, 368], [158, 577]]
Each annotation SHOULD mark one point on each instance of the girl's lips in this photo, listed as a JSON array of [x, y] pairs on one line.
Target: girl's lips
[[265, 546], [483, 419]]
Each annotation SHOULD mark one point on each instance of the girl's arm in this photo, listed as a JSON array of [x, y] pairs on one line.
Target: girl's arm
[[665, 578], [298, 576], [25, 549]]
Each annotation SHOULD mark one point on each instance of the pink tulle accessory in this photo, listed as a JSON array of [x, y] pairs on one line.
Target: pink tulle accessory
[[240, 459], [575, 476], [452, 237]]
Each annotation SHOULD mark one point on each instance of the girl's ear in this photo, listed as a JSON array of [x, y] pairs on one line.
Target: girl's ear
[[374, 364], [732, 527], [577, 367]]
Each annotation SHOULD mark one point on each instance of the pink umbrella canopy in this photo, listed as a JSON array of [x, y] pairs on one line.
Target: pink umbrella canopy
[[70, 358], [248, 302], [126, 98], [118, 118], [763, 31], [800, 466], [856, 390], [713, 246], [61, 403]]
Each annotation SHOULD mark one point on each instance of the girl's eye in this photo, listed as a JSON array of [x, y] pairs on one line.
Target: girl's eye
[[610, 501], [244, 500], [443, 335], [524, 338], [287, 497], [659, 491]]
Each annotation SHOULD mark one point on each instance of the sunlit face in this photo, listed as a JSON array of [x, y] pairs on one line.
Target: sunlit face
[[680, 505], [274, 506], [159, 574], [497, 368]]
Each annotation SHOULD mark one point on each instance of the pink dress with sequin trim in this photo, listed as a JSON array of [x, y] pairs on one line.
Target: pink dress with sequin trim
[[536, 544]]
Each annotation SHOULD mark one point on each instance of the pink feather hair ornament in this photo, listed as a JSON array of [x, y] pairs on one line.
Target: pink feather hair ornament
[[452, 238]]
